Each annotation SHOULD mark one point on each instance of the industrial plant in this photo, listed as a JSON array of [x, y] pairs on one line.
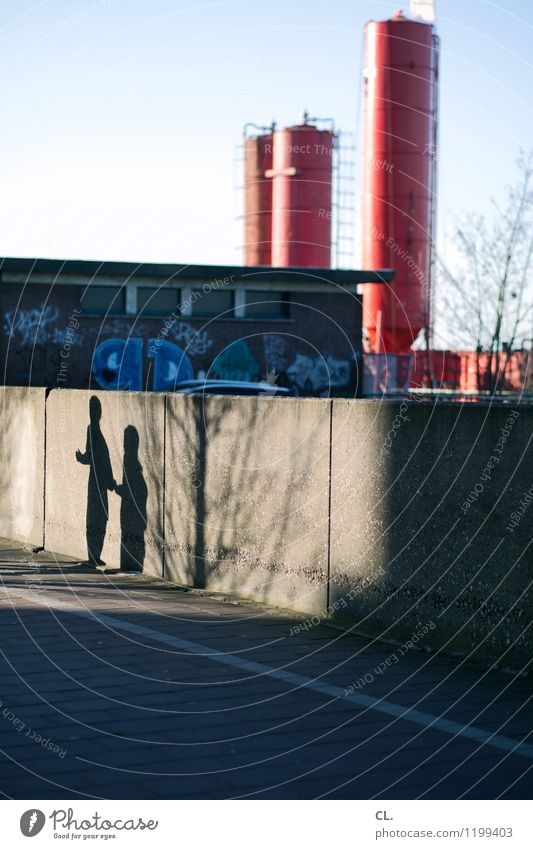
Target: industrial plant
[[291, 311], [265, 518], [289, 207]]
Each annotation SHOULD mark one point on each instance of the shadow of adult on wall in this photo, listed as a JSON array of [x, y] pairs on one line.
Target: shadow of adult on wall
[[101, 481], [133, 493]]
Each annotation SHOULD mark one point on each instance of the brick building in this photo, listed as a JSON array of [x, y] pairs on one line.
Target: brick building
[[75, 324]]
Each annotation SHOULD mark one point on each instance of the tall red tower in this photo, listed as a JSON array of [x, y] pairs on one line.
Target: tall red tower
[[400, 132], [288, 185]]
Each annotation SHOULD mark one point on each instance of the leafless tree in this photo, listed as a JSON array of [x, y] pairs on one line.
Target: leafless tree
[[487, 297]]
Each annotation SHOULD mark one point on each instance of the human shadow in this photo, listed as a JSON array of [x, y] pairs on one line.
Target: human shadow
[[133, 492], [100, 482]]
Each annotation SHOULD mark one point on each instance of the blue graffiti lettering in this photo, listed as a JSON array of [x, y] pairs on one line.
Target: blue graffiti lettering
[[117, 364], [171, 364]]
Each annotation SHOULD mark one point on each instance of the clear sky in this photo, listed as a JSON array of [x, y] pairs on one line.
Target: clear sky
[[121, 118]]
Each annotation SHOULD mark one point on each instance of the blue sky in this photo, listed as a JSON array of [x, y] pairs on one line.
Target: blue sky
[[120, 118]]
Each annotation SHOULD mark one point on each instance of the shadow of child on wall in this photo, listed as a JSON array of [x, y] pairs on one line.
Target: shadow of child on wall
[[133, 492], [101, 481]]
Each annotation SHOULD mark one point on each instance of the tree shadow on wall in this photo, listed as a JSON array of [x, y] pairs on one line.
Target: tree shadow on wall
[[101, 481], [236, 503], [190, 431]]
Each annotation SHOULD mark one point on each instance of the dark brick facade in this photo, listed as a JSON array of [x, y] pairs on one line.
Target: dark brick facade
[[50, 338]]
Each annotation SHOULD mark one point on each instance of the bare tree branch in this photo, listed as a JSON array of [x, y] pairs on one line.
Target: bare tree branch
[[488, 294]]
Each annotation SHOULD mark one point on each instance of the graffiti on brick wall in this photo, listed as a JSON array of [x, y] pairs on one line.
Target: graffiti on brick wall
[[235, 362], [195, 342], [36, 340], [116, 327], [36, 360], [171, 365], [315, 374], [305, 374], [28, 327], [275, 352], [123, 361], [118, 364], [31, 326]]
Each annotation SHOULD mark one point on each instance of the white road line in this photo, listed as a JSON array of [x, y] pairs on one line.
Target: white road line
[[428, 720]]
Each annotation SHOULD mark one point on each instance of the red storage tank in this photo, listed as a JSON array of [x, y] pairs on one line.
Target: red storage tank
[[399, 157], [257, 200], [302, 174]]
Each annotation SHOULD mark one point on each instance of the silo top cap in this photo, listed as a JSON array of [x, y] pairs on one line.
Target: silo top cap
[[399, 16]]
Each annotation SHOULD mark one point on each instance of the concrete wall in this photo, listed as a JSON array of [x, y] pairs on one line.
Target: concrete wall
[[247, 497], [421, 505], [409, 520], [120, 437], [22, 464]]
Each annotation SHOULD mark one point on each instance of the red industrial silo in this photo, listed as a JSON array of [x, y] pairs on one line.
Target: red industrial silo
[[401, 67], [257, 199], [302, 173]]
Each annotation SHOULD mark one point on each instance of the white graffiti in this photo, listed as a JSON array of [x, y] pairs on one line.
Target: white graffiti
[[59, 337], [116, 327], [339, 371], [318, 372], [192, 340], [32, 325], [275, 352]]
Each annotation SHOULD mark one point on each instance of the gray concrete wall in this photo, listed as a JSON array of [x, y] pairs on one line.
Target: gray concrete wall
[[120, 436], [22, 464], [409, 520], [422, 503], [247, 497]]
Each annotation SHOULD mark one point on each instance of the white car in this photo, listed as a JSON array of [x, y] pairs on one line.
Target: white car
[[231, 387]]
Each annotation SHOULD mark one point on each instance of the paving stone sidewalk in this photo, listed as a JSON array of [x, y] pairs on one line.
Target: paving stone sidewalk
[[120, 686]]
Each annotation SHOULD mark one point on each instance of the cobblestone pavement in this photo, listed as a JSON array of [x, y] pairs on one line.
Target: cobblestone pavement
[[119, 686]]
